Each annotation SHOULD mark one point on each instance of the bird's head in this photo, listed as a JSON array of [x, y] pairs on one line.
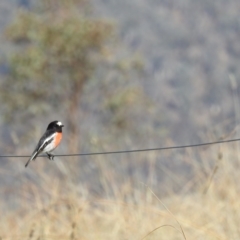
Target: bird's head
[[55, 125]]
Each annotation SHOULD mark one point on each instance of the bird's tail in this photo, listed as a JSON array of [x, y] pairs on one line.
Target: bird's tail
[[34, 155]]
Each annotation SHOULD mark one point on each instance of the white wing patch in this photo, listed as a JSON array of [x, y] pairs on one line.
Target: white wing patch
[[48, 147]]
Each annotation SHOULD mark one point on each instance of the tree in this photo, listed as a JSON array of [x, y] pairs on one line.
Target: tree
[[58, 50]]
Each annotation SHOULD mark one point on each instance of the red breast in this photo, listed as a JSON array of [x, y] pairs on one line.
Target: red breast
[[58, 139]]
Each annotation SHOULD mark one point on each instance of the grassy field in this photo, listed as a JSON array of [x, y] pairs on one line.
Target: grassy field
[[204, 206]]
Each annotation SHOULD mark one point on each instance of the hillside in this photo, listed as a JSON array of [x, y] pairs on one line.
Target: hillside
[[185, 90]]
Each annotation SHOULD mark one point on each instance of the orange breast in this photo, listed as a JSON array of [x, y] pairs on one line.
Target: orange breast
[[58, 139]]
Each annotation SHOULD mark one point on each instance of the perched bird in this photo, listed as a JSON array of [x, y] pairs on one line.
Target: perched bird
[[49, 141]]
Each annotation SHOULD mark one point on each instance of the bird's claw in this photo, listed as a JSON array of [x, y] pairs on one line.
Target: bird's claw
[[50, 156]]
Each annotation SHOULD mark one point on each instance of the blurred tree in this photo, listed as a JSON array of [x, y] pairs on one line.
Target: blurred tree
[[59, 49]]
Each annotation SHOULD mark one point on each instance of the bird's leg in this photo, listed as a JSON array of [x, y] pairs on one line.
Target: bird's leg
[[50, 156]]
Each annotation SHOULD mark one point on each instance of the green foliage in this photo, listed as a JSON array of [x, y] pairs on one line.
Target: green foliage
[[126, 105], [57, 54]]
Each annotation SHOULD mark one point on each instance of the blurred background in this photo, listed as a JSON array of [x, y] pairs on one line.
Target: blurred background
[[120, 75]]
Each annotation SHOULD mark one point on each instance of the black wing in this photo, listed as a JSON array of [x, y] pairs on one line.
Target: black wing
[[42, 142]]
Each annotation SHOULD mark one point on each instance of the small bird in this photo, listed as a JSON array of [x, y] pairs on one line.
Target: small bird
[[49, 141]]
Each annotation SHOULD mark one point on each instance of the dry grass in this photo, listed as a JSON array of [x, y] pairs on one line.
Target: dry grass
[[206, 206]]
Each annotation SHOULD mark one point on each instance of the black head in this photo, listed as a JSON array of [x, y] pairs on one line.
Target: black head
[[56, 125]]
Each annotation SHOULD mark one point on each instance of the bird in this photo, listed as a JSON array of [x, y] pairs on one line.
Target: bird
[[49, 141]]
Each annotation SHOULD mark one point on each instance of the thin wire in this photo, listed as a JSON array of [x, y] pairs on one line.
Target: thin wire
[[131, 151]]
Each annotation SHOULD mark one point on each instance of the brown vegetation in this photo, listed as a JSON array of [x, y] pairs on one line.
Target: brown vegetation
[[205, 206], [187, 90]]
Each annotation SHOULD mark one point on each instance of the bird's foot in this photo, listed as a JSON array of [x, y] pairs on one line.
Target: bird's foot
[[50, 156]]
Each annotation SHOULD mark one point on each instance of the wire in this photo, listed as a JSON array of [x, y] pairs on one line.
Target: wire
[[131, 151]]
